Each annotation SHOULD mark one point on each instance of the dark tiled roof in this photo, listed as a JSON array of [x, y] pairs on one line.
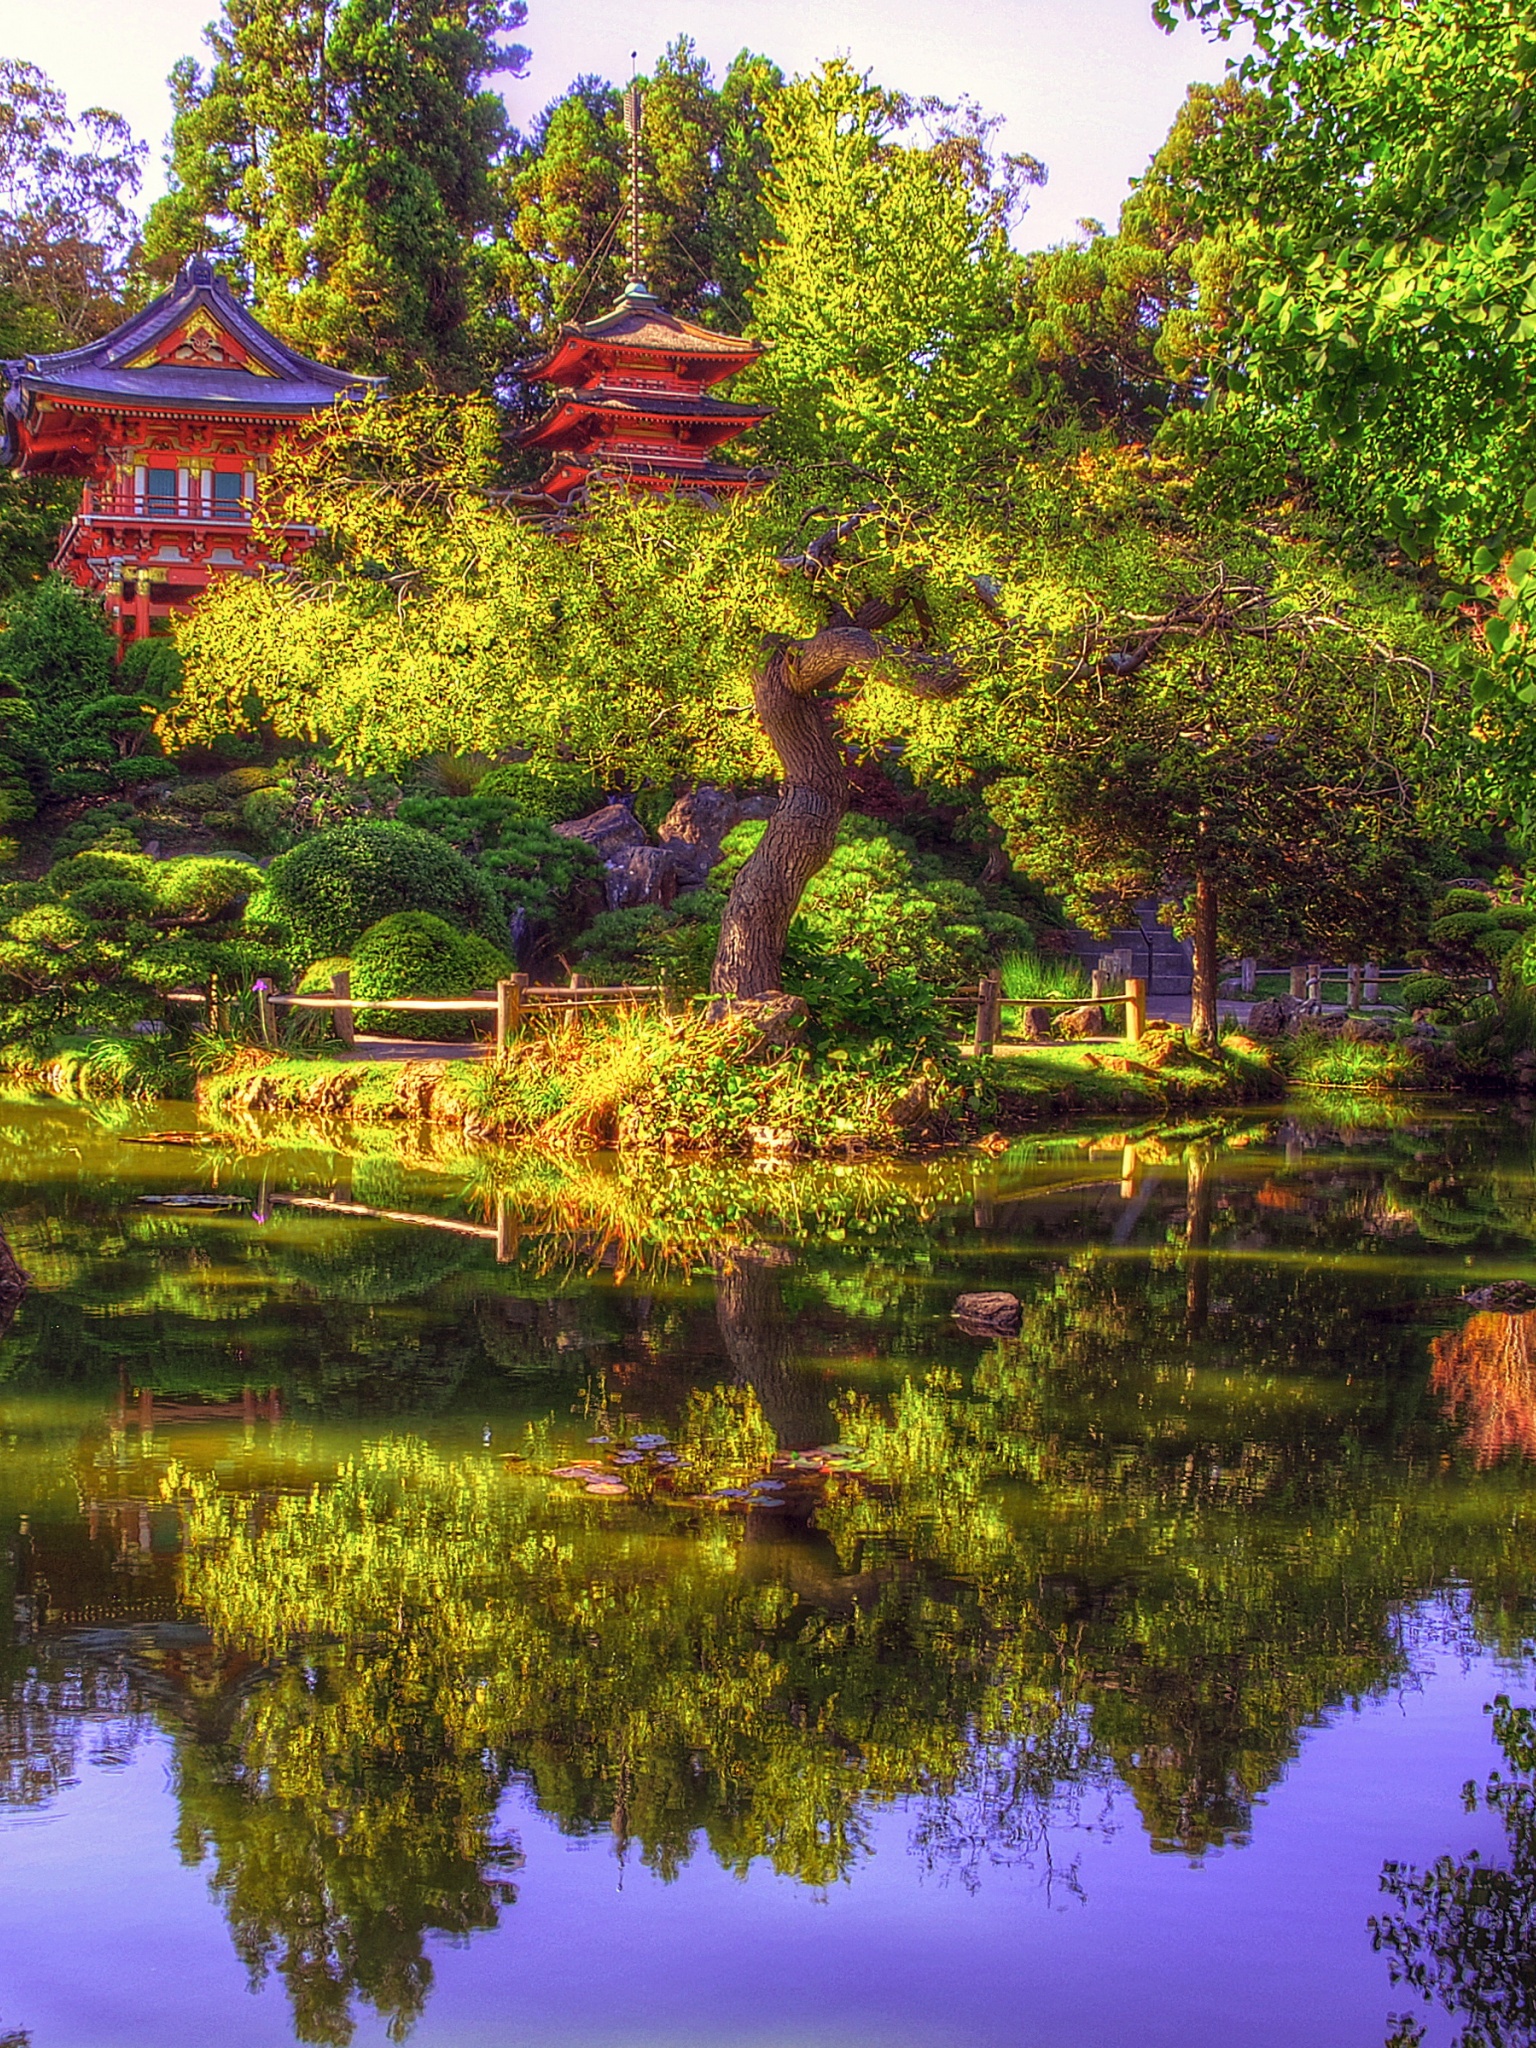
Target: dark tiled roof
[[640, 320], [101, 368]]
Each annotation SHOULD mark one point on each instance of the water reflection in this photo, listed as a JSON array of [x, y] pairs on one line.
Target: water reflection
[[284, 1493]]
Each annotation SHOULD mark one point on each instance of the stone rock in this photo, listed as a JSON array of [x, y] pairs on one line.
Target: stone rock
[[989, 1314], [1270, 1019], [642, 874], [1035, 1022], [1513, 1297], [1088, 1022], [612, 830], [911, 1109], [698, 822], [1365, 1031]]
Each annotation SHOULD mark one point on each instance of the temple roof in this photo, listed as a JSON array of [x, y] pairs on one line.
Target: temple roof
[[572, 408], [639, 321], [569, 471], [193, 349]]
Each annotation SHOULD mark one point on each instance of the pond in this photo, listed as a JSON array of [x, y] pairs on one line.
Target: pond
[[497, 1599]]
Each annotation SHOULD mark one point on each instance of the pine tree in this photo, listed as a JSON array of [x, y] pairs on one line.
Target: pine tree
[[705, 156], [339, 156]]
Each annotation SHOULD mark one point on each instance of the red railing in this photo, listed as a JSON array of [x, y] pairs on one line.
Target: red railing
[[123, 502]]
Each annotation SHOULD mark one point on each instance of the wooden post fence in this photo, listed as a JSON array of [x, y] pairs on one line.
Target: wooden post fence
[[989, 1013], [1135, 1009], [1314, 982], [509, 1011], [1372, 981], [266, 1019], [1250, 974], [341, 1018], [1356, 984]]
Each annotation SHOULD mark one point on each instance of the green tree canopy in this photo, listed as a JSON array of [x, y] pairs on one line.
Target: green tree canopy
[[341, 158], [886, 287]]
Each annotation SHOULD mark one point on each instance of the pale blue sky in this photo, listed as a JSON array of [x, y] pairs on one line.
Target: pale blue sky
[[1089, 86]]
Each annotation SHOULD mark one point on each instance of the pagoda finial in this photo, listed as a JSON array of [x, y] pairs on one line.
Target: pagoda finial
[[634, 115]]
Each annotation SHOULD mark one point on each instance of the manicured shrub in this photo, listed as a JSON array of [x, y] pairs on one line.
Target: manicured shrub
[[1424, 991], [542, 788], [94, 943], [414, 953], [323, 895], [673, 948], [880, 901], [317, 976], [545, 886]]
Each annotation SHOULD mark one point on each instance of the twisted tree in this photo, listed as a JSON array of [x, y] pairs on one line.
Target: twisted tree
[[795, 693]]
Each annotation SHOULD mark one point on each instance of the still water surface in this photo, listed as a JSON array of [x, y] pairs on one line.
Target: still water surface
[[872, 1678]]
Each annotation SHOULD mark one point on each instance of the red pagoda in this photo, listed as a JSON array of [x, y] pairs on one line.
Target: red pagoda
[[170, 419], [633, 390]]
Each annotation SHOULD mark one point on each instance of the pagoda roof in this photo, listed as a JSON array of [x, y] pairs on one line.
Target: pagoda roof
[[572, 408], [193, 349], [569, 471], [639, 322]]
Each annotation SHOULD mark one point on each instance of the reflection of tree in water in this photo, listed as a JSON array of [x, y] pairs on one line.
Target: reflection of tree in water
[[1466, 1937], [1485, 1373], [345, 1825], [761, 1343]]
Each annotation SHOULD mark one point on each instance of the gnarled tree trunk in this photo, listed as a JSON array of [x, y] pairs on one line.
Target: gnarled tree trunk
[[799, 721]]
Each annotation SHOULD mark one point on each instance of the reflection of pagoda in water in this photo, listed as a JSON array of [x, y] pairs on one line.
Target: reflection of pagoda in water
[[1485, 1373], [634, 391], [115, 1563]]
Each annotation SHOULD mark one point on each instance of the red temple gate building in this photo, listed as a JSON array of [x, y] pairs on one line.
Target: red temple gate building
[[634, 401], [170, 419]]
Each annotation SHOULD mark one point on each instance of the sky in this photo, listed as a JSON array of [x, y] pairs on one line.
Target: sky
[[1088, 86]]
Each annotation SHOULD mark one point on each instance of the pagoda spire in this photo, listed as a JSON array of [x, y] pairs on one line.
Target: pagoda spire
[[633, 397], [634, 121]]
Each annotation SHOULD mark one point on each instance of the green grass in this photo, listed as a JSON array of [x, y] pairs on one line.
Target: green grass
[[1314, 1061], [1030, 977]]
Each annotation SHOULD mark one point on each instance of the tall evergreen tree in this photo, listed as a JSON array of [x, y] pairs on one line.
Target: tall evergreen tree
[[705, 155], [339, 154]]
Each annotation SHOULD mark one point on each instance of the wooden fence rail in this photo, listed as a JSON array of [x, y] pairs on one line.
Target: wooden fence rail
[[990, 999], [512, 1003]]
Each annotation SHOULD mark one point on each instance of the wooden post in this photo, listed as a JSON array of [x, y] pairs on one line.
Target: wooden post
[[1315, 982], [1356, 984], [266, 1019], [1095, 986], [341, 1018], [509, 1011], [1250, 972], [1135, 1009], [1298, 984], [989, 1012], [1372, 982], [506, 1232], [578, 981]]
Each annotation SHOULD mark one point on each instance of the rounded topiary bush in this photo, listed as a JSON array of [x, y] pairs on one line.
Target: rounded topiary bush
[[323, 895], [414, 953], [1423, 991]]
